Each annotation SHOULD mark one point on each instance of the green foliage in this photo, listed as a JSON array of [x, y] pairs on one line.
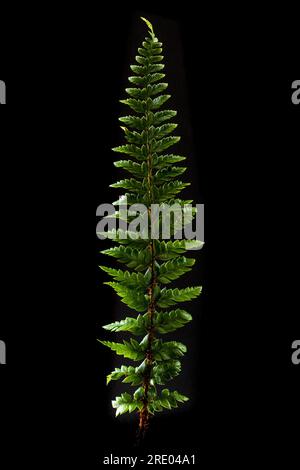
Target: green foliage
[[164, 351], [130, 375], [134, 298], [151, 264], [167, 400], [172, 249], [125, 238], [137, 326], [164, 371], [126, 403], [169, 297], [128, 279], [168, 190], [173, 269], [170, 321], [164, 322], [133, 258], [131, 349]]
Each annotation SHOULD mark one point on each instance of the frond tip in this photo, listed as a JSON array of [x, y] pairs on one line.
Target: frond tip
[[148, 24]]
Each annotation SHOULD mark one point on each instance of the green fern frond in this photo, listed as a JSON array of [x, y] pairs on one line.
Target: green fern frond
[[151, 178]]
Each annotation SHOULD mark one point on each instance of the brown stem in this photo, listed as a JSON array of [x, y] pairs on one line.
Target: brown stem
[[144, 413]]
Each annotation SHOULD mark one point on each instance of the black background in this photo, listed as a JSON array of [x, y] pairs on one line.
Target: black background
[[240, 132]]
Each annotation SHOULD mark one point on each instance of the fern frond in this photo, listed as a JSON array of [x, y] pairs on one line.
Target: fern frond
[[126, 403], [170, 297], [130, 349], [137, 326], [129, 279], [148, 131], [173, 269], [133, 298], [136, 259], [170, 321]]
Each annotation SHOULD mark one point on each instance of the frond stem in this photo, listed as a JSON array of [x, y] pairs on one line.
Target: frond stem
[[144, 413]]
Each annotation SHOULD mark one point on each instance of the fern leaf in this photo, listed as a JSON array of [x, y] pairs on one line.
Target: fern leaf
[[170, 297], [165, 371], [173, 269], [130, 349], [137, 326], [128, 279], [133, 258], [162, 116], [133, 298], [172, 249], [149, 78], [139, 170], [130, 375], [150, 264], [164, 351], [164, 144], [167, 400], [170, 321], [168, 190], [126, 403], [130, 184], [132, 150], [151, 90]]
